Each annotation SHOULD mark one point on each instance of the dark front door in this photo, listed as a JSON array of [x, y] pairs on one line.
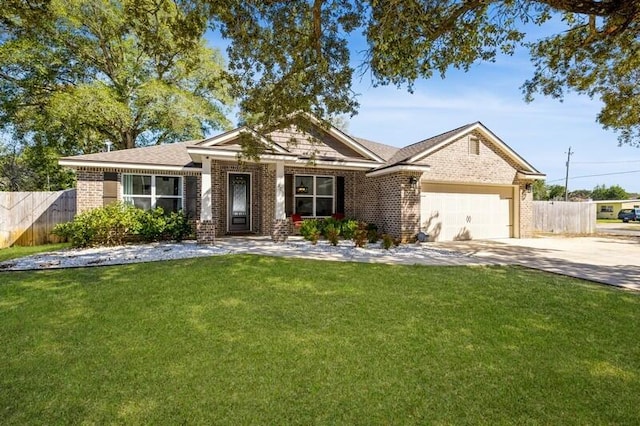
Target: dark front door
[[239, 202]]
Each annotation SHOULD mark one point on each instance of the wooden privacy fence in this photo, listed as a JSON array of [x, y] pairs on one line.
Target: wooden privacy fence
[[564, 217], [27, 218]]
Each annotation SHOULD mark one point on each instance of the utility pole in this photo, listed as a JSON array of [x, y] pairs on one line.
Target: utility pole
[[566, 179]]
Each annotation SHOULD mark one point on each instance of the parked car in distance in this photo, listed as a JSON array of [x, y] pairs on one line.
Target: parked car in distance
[[627, 215]]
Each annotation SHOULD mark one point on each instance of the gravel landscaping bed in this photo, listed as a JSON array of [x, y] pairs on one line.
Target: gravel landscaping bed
[[345, 250]]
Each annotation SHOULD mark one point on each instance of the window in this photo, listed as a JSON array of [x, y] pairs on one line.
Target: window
[[474, 145], [314, 195], [606, 209], [150, 191]]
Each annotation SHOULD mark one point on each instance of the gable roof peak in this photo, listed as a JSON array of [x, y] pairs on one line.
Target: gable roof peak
[[419, 150], [409, 152]]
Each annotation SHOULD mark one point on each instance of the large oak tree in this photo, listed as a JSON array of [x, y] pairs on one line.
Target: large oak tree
[[294, 55], [76, 74]]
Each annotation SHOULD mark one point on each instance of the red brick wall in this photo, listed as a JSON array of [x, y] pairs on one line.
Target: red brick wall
[[89, 186]]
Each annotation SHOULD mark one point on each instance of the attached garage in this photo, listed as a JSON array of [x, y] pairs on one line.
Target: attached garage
[[464, 212]]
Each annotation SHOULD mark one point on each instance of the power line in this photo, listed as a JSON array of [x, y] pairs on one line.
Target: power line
[[601, 174], [606, 162]]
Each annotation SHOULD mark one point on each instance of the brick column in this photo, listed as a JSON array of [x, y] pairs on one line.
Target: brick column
[[410, 202], [280, 230], [206, 232]]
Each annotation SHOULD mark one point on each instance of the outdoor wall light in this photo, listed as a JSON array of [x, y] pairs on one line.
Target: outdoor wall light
[[528, 187], [413, 181]]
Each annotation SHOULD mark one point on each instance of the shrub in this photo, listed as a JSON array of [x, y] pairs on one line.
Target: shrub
[[118, 223], [360, 235], [329, 223], [387, 241], [332, 233], [348, 228], [309, 230], [109, 225], [152, 225], [372, 232], [177, 226]]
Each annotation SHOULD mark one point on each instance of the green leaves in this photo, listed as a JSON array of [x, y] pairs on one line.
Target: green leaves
[[79, 73], [291, 56], [614, 192], [590, 60]]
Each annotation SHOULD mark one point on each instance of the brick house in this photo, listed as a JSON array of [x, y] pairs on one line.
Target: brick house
[[462, 184]]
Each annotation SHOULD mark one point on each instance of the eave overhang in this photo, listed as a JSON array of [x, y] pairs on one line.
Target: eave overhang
[[524, 175], [120, 165], [398, 168], [197, 153], [345, 164]]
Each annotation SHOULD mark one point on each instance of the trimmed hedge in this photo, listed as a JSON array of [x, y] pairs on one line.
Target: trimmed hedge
[[119, 223]]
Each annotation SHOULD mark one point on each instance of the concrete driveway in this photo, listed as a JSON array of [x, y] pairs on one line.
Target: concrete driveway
[[605, 259], [631, 229]]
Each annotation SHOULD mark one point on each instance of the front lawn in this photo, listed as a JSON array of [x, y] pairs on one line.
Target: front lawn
[[259, 340], [19, 251]]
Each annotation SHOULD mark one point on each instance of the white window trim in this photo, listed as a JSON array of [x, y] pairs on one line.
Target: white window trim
[[153, 196], [315, 195]]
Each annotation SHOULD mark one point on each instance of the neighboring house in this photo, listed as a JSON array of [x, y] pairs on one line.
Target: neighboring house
[[462, 184], [609, 209]]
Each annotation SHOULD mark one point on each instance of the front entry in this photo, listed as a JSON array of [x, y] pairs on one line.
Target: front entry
[[239, 202]]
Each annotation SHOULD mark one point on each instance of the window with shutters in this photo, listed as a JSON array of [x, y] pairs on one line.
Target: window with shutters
[[151, 191], [314, 195]]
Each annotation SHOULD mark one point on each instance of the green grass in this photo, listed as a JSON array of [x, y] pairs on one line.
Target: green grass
[[608, 221], [616, 221], [259, 340], [18, 251]]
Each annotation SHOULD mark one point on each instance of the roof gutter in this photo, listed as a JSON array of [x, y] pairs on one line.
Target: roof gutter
[[336, 164], [529, 176], [398, 168], [129, 166]]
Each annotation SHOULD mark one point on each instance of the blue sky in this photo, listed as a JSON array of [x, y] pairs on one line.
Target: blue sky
[[541, 131]]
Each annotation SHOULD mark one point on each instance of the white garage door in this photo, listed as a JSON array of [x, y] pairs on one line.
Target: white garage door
[[475, 214]]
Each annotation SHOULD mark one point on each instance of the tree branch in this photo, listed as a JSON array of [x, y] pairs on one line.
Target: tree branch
[[317, 26], [594, 7]]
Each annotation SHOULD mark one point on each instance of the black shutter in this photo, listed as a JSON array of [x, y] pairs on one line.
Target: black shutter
[[340, 194], [191, 197], [288, 194], [109, 188]]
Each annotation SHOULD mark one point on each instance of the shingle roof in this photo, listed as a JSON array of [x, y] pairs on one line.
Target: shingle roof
[[174, 154], [418, 147], [381, 150]]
